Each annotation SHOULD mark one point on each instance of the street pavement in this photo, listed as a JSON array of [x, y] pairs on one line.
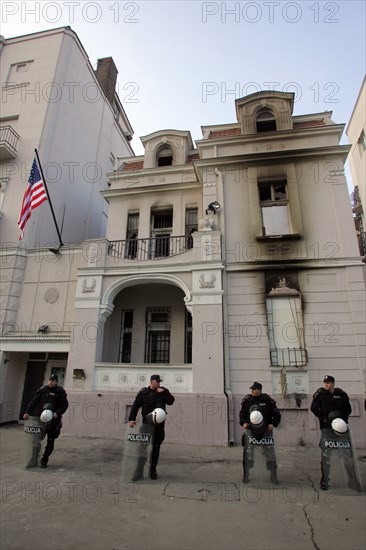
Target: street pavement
[[198, 501]]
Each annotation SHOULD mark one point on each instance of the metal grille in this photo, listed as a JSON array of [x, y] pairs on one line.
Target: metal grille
[[290, 357], [150, 249], [157, 349], [9, 136]]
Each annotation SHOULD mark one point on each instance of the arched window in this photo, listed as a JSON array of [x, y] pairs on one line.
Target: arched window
[[266, 121], [164, 156]]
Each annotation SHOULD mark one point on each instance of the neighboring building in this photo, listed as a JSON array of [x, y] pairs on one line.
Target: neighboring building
[[219, 268], [53, 100], [356, 132]]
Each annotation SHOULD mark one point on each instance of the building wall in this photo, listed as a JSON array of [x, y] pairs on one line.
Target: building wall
[[357, 156], [224, 281], [24, 107]]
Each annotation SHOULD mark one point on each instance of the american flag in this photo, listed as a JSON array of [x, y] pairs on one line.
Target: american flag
[[34, 195]]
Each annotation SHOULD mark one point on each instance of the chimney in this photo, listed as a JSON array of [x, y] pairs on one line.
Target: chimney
[[106, 73]]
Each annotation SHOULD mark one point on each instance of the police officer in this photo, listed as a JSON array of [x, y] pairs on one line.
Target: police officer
[[328, 399], [263, 403], [148, 399], [329, 403], [51, 397]]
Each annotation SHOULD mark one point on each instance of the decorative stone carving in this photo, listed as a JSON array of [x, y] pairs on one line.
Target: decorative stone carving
[[205, 224], [207, 280], [92, 253], [86, 287], [51, 295]]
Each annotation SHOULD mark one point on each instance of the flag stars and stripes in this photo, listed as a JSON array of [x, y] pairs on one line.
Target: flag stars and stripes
[[35, 194]]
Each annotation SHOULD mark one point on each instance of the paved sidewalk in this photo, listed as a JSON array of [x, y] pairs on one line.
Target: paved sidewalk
[[198, 502]]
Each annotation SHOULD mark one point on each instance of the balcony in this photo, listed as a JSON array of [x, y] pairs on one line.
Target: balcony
[[8, 143], [290, 357], [361, 237], [156, 248]]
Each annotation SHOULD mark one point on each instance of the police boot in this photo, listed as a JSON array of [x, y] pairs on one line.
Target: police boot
[[324, 482], [47, 452], [139, 472], [272, 467], [247, 464], [245, 475], [154, 461], [353, 482], [33, 461]]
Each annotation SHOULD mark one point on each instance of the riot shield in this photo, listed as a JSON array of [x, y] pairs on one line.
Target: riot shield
[[338, 463], [136, 453], [31, 446], [259, 458]]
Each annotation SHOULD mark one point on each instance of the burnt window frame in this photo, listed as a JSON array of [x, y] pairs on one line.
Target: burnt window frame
[[274, 201]]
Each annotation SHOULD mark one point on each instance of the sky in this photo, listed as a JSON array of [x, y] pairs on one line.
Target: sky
[[182, 64]]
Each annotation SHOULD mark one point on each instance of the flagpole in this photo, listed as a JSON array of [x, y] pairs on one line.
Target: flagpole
[[49, 198]]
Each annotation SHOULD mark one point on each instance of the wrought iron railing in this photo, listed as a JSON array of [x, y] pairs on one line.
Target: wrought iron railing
[[155, 248], [289, 357], [9, 137], [362, 243]]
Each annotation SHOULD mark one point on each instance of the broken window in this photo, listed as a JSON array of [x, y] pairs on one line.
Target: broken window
[[285, 327], [274, 208]]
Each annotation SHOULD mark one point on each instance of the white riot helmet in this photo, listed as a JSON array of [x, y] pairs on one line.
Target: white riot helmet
[[256, 418], [46, 416], [257, 424], [157, 416], [339, 426]]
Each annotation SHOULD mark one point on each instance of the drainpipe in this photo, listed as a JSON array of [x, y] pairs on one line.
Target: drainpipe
[[227, 390]]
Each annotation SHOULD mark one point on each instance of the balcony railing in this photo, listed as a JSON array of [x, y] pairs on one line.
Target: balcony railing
[[290, 357], [362, 243], [156, 248], [8, 142]]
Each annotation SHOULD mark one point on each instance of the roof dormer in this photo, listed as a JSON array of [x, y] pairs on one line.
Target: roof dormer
[[167, 148], [265, 112]]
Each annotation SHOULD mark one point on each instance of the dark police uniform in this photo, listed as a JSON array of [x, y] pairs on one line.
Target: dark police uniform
[[148, 399], [263, 403], [271, 415], [57, 398], [324, 403]]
